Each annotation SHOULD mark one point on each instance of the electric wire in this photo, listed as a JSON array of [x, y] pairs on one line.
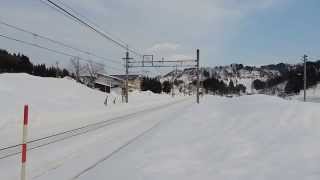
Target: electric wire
[[57, 42], [53, 50], [65, 12]]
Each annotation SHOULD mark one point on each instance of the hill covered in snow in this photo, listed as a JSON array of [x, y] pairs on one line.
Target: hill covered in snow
[[276, 79]]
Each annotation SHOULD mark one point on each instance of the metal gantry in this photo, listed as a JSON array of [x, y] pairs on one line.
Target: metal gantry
[[148, 62]]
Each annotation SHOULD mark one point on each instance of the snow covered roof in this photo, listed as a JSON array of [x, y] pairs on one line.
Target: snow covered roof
[[109, 76], [107, 80], [130, 76]]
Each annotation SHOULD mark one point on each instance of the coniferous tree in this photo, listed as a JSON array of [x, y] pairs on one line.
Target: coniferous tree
[[151, 84], [19, 63], [166, 87], [258, 84]]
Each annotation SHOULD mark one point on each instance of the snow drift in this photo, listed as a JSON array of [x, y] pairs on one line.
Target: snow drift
[[57, 105]]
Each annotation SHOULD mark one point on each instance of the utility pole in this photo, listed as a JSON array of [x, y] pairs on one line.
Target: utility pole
[[304, 77], [174, 77], [127, 77], [198, 76], [57, 69], [172, 86], [127, 58], [77, 69]]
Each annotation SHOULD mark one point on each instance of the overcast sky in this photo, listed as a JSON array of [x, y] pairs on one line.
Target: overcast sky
[[251, 32]]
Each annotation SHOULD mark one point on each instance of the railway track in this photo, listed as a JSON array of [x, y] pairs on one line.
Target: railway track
[[10, 151]]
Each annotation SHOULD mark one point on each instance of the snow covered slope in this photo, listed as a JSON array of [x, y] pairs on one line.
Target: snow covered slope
[[312, 94], [237, 73], [57, 105]]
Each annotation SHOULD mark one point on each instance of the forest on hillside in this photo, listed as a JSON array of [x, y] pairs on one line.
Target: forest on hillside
[[19, 63]]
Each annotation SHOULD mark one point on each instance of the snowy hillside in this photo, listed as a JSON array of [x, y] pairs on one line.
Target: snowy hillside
[[234, 72]]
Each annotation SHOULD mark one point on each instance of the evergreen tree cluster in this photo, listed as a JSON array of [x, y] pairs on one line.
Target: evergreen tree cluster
[[259, 84], [151, 84], [154, 85], [166, 87], [293, 77], [19, 63], [219, 87]]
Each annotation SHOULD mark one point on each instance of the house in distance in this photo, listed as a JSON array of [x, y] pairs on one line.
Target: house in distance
[[107, 82]]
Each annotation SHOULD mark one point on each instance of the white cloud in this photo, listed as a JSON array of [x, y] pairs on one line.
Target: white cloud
[[181, 57], [164, 47]]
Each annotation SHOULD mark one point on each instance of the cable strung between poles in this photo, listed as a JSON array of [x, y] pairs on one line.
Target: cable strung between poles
[[53, 50], [79, 20], [58, 42]]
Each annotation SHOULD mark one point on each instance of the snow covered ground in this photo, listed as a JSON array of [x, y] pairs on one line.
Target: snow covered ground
[[312, 94], [250, 137], [59, 104]]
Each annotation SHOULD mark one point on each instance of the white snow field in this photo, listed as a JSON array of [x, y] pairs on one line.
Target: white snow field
[[312, 94], [159, 137], [59, 104]]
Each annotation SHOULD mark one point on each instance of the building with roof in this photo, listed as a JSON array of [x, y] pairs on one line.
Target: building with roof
[[134, 80], [105, 82]]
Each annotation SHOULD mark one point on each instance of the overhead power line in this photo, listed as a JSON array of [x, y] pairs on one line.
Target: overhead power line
[[88, 20], [53, 50], [58, 42], [65, 12]]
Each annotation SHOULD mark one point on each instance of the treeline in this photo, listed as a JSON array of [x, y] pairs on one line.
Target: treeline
[[19, 63], [210, 85], [213, 85], [154, 85], [293, 78], [151, 84]]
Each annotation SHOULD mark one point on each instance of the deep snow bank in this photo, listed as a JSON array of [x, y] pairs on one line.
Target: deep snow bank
[[313, 94], [57, 105]]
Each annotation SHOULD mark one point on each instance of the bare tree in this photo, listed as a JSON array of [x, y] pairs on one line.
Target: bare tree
[[93, 69], [76, 68]]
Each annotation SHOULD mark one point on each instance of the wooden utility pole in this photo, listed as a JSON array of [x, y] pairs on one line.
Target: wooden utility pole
[[304, 77], [172, 81], [198, 76], [127, 58], [127, 77]]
